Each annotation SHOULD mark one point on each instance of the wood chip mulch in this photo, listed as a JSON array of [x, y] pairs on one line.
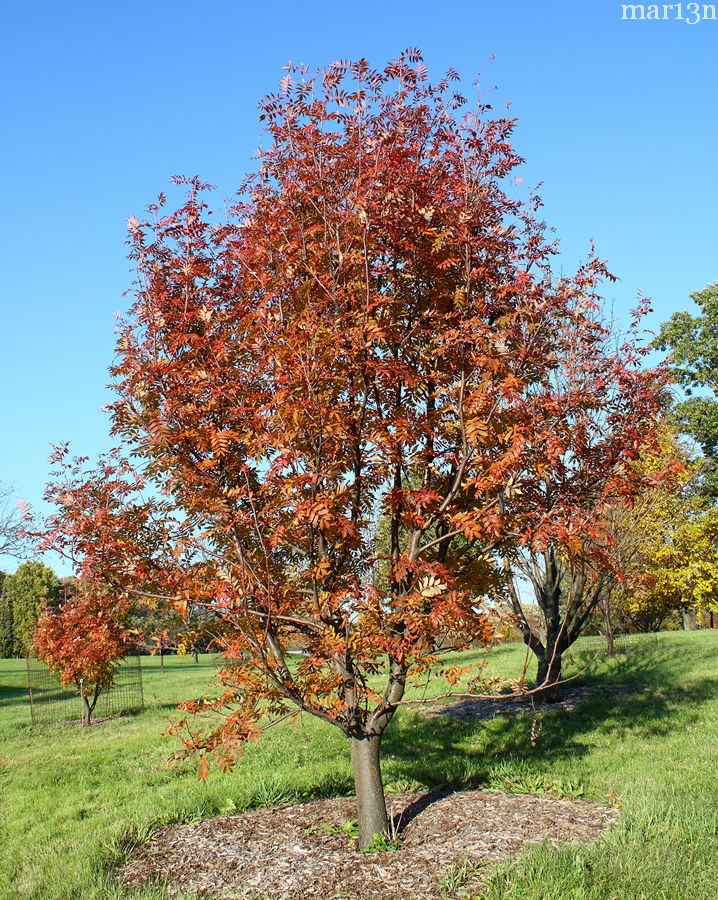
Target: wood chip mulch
[[570, 698], [446, 843], [78, 723]]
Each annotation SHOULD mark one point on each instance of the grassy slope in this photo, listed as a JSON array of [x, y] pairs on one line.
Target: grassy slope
[[73, 801]]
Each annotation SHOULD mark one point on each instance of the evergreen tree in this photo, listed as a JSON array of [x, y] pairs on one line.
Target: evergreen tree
[[6, 623], [25, 592]]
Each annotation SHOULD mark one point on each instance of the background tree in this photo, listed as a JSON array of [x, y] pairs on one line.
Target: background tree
[[693, 344], [359, 341], [6, 622], [595, 414], [670, 498], [12, 539], [24, 594], [681, 571], [159, 629], [82, 639]]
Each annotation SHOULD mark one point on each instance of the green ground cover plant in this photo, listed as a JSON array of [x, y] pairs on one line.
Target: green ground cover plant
[[73, 802]]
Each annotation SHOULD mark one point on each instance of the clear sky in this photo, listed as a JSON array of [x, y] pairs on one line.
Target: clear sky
[[102, 102]]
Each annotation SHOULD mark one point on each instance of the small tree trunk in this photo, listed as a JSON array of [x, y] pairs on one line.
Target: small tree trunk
[[162, 659], [609, 627], [371, 803], [88, 706], [689, 620], [86, 712], [86, 709], [195, 656]]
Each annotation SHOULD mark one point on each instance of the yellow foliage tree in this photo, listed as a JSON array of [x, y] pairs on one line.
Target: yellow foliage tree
[[668, 544], [683, 570]]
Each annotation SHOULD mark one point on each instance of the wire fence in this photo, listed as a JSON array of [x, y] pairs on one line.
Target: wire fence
[[590, 648], [51, 702]]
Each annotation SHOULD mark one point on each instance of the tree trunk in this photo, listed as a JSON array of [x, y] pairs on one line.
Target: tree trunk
[[88, 706], [608, 626], [548, 673], [86, 709], [689, 620], [195, 656], [371, 804]]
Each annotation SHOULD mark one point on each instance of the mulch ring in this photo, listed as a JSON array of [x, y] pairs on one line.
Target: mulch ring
[[571, 696], [446, 843], [78, 723]]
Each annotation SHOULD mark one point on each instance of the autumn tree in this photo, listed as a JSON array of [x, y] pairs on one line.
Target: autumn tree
[[681, 570], [82, 639], [669, 496], [365, 340], [692, 341], [598, 410]]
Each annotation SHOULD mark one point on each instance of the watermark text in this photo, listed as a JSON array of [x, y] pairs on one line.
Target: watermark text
[[690, 13]]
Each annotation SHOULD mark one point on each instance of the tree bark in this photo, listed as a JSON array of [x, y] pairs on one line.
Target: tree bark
[[371, 803], [689, 620], [86, 710], [88, 706], [609, 627], [548, 673]]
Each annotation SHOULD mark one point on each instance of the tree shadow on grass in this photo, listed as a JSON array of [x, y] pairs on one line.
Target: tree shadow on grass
[[629, 697], [10, 694]]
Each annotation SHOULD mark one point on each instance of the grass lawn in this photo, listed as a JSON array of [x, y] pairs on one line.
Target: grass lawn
[[73, 801]]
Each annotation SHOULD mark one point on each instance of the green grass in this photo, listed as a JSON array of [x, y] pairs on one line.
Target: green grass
[[73, 802]]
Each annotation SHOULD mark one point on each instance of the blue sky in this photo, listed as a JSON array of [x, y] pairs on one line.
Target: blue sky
[[103, 102]]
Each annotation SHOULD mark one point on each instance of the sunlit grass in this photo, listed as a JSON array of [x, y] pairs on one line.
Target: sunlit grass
[[74, 801]]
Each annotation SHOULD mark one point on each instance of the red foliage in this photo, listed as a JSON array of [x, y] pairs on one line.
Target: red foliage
[[81, 641], [372, 337], [596, 416]]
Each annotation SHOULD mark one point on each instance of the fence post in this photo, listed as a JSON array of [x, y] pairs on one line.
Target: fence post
[[29, 689]]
